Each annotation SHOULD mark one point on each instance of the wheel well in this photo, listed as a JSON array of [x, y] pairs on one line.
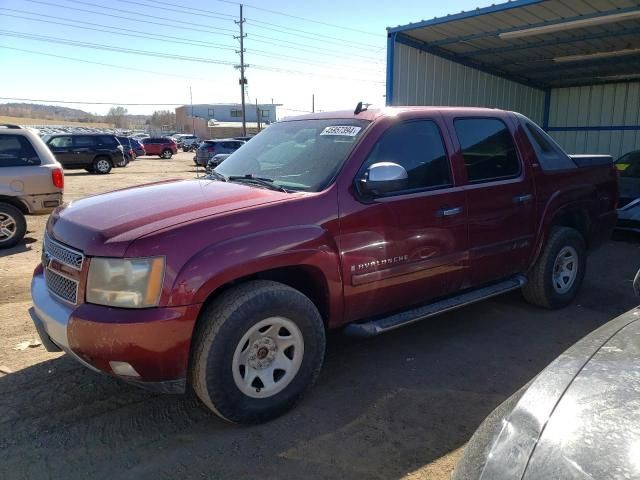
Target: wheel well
[[15, 202], [103, 156], [306, 279], [578, 220]]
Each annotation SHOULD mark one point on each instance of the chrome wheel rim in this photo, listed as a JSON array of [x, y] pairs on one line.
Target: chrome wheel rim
[[565, 269], [8, 227], [166, 155], [102, 166], [268, 357]]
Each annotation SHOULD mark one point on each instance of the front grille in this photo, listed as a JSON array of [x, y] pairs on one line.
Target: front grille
[[61, 286], [62, 253]]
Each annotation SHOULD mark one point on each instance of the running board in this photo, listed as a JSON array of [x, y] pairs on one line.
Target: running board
[[381, 325]]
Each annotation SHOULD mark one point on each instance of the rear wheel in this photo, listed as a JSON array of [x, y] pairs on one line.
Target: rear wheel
[[166, 154], [257, 350], [102, 165], [556, 277], [13, 225]]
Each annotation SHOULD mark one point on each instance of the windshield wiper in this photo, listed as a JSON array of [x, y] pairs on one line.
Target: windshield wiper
[[264, 182], [217, 176]]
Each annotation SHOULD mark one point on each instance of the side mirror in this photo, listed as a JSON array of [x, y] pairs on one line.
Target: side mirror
[[384, 177], [636, 283]]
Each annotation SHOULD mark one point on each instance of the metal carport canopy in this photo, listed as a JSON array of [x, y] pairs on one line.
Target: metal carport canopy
[[540, 43]]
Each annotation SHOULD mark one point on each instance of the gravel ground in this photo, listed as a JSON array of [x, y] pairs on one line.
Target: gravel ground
[[402, 405]]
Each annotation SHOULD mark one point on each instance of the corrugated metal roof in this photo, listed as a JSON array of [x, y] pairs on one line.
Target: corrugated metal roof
[[494, 39]]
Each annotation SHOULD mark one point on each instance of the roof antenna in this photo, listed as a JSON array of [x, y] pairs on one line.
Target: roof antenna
[[360, 108]]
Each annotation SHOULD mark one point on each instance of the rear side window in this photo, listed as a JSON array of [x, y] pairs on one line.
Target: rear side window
[[550, 155], [417, 146], [107, 140], [17, 151], [84, 141], [61, 142], [487, 148]]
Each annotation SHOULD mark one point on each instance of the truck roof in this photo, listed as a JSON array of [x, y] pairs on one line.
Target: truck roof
[[373, 113]]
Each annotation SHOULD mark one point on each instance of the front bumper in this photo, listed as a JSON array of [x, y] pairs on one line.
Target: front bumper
[[155, 342]]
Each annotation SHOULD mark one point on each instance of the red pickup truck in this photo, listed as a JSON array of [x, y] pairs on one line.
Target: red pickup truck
[[367, 220]]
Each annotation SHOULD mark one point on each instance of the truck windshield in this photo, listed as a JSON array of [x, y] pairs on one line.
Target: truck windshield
[[297, 155]]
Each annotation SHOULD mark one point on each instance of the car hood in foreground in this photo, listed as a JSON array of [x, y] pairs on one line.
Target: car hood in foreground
[[579, 418], [105, 224]]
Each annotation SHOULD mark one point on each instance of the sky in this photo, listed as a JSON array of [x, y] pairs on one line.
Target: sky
[[333, 49]]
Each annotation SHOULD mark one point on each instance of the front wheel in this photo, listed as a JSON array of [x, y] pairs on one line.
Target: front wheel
[[13, 225], [166, 154], [257, 350], [557, 275]]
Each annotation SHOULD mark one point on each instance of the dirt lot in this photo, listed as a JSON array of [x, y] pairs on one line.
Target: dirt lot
[[398, 406]]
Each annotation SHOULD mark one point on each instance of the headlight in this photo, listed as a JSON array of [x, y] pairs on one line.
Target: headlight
[[125, 282]]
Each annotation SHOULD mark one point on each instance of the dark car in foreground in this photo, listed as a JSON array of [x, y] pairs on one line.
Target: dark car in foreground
[[629, 203], [207, 149], [578, 419], [365, 221], [96, 153]]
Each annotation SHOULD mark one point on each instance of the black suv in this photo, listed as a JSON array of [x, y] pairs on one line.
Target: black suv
[[95, 153]]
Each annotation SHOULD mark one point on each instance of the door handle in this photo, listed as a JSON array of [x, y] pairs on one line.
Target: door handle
[[449, 212], [522, 198]]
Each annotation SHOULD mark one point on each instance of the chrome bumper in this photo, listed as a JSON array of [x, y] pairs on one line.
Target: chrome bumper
[[51, 318]]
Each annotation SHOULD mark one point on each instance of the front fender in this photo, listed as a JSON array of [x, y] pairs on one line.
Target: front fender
[[221, 263]]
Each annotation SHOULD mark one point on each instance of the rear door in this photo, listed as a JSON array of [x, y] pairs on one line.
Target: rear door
[[408, 246], [499, 195], [84, 148]]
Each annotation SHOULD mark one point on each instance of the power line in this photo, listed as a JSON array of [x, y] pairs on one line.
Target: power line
[[275, 12], [167, 39], [303, 34], [147, 35], [215, 15], [192, 28], [98, 46], [92, 103], [122, 67]]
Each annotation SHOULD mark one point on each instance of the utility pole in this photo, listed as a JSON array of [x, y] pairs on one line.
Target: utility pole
[[243, 81], [258, 114], [193, 119], [313, 103]]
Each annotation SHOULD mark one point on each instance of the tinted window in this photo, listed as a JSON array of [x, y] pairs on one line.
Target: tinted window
[[17, 151], [418, 147], [487, 149], [84, 142], [629, 165], [550, 155], [61, 142]]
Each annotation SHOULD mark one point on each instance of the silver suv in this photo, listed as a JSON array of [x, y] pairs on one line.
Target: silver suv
[[31, 181]]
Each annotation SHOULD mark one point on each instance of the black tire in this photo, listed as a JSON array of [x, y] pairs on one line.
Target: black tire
[[540, 289], [222, 326], [166, 154], [14, 222], [100, 165]]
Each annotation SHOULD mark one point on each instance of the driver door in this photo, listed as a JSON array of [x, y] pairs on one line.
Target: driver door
[[408, 246]]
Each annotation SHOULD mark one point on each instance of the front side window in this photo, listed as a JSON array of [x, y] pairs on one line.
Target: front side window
[[17, 151], [236, 113], [297, 155], [418, 147], [84, 142], [61, 142], [487, 148]]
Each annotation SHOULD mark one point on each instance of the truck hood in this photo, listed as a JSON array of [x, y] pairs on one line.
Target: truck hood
[[105, 224]]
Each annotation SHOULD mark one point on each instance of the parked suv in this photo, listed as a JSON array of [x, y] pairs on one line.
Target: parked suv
[[96, 153], [209, 148], [162, 146], [366, 220], [31, 181]]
